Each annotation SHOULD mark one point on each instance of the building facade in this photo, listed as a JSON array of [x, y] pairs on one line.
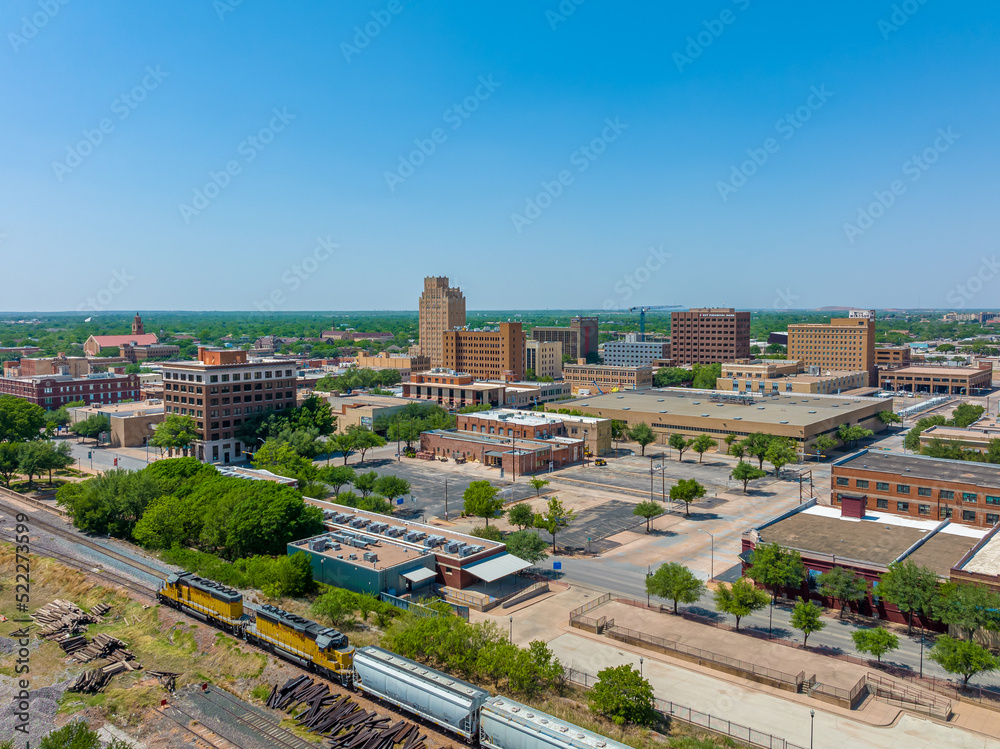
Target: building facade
[[76, 366], [709, 335], [892, 357], [939, 380], [402, 362], [544, 357], [220, 391], [606, 378], [919, 486], [442, 308], [595, 433], [631, 352], [579, 340], [53, 391], [488, 354], [845, 343], [450, 389], [136, 353], [769, 376]]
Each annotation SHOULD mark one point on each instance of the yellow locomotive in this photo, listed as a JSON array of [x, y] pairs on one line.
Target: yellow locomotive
[[321, 649]]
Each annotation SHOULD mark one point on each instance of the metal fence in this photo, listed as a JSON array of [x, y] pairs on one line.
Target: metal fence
[[589, 606], [706, 721], [419, 609], [908, 699]]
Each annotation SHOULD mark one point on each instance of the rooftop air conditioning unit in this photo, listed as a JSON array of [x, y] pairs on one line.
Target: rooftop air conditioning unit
[[451, 547]]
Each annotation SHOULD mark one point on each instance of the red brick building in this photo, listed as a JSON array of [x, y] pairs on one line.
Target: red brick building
[[709, 335], [451, 389], [53, 391], [920, 487]]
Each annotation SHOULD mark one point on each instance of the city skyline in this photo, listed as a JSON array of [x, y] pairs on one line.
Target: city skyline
[[725, 153]]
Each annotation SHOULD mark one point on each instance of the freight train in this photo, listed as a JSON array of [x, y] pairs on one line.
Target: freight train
[[454, 705]]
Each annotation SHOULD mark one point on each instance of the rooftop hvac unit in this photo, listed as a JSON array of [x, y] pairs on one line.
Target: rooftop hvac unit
[[451, 547], [334, 547], [343, 517], [370, 556], [477, 549], [353, 557], [318, 544], [395, 531], [434, 541], [359, 543], [340, 556], [359, 522], [414, 536], [464, 550], [329, 514], [378, 527]]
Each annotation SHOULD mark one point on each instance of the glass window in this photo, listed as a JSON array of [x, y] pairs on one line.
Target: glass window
[[862, 483], [902, 488], [945, 494], [882, 486], [970, 497], [946, 512], [991, 500], [882, 504], [992, 518], [924, 509], [923, 491], [902, 507], [969, 516], [842, 481]]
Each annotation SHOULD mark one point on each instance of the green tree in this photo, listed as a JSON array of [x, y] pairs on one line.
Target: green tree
[[746, 473], [336, 476], [407, 431], [844, 586], [363, 439], [776, 567], [889, 417], [92, 427], [554, 519], [737, 449], [729, 439], [780, 453], [687, 491], [675, 582], [281, 458], [336, 606], [702, 444], [851, 435], [33, 459], [967, 607], [876, 640], [672, 377], [490, 533], [806, 618], [622, 696], [58, 418], [648, 510], [911, 440], [10, 460], [527, 546], [521, 515], [20, 420], [55, 456], [365, 483], [392, 487], [174, 433], [757, 444], [680, 443], [342, 443], [642, 434], [963, 657], [706, 376], [481, 500], [966, 413], [538, 484], [910, 588], [740, 599], [824, 443], [77, 735]]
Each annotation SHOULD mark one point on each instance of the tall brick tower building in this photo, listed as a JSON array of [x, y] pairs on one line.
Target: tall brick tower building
[[442, 308]]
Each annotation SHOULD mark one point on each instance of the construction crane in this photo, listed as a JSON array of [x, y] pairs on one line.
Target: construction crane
[[642, 316]]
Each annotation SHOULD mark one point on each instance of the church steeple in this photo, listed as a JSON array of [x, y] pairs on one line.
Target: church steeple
[[137, 325]]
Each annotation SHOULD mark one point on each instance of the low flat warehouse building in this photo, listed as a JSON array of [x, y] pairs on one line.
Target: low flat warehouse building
[[370, 552], [692, 412], [451, 389], [596, 433], [590, 378], [920, 486], [786, 376], [939, 380], [509, 453]]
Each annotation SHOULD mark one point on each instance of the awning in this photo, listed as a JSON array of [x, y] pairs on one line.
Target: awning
[[419, 574], [497, 567], [494, 454]]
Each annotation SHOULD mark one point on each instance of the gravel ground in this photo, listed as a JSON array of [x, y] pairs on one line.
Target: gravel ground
[[43, 704], [7, 645]]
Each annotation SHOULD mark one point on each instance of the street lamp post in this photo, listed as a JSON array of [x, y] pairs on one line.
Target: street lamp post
[[511, 628], [812, 722], [640, 666], [921, 650], [712, 551], [446, 500]]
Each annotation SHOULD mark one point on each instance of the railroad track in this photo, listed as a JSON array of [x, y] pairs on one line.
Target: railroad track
[[256, 722], [79, 538], [201, 736], [44, 551]]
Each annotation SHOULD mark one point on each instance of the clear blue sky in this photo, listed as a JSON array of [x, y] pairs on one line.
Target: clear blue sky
[[543, 83]]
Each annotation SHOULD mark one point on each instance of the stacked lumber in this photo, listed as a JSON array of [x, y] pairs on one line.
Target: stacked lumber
[[62, 617], [345, 722], [102, 646], [167, 679], [100, 609], [96, 679]]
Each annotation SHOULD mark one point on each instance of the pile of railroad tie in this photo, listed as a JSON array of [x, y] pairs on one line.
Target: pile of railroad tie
[[62, 617], [348, 725]]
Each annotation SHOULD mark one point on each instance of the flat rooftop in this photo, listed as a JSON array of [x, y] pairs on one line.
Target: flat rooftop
[[387, 554], [799, 409], [924, 467], [986, 561], [504, 443], [943, 370], [512, 416], [150, 406], [878, 538]]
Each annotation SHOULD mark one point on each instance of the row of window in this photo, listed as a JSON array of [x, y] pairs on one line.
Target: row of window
[[922, 491]]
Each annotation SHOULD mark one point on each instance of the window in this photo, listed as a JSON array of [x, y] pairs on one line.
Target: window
[[881, 486], [946, 512], [902, 488], [902, 507], [862, 483], [969, 516], [970, 497], [924, 509], [945, 494], [842, 481], [214, 378], [991, 500], [923, 491], [225, 378], [992, 518], [882, 504]]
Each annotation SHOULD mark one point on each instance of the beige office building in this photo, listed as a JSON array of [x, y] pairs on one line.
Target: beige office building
[[544, 357], [442, 308], [773, 376], [846, 343]]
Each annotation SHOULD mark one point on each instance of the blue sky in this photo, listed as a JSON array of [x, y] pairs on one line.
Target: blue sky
[[705, 153]]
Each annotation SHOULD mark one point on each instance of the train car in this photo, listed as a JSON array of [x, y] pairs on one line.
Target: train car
[[506, 724], [321, 649], [437, 697], [204, 599]]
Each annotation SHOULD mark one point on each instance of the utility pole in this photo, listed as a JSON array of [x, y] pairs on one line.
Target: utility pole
[[446, 499]]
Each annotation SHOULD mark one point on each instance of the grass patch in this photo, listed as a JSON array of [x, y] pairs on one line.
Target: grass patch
[[125, 703], [261, 692]]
